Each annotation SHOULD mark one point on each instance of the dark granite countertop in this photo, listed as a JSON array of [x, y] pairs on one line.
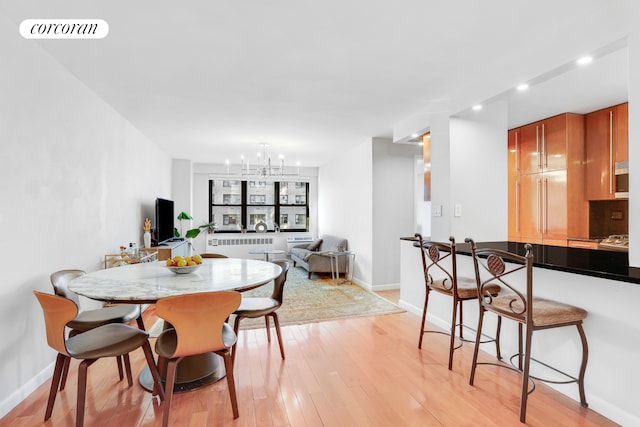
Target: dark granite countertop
[[612, 265]]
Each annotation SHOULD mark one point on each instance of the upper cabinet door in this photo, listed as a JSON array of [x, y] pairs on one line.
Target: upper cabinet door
[[514, 140], [530, 146], [622, 132], [600, 131], [553, 134]]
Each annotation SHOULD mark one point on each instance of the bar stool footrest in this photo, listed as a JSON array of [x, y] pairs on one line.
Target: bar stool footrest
[[460, 339], [571, 379]]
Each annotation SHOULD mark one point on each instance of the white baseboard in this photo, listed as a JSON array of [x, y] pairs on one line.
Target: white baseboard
[[386, 287], [27, 388]]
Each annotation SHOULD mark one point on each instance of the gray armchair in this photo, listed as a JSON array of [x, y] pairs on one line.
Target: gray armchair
[[314, 256]]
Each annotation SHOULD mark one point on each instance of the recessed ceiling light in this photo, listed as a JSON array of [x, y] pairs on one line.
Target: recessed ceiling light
[[584, 60], [522, 87], [477, 107]]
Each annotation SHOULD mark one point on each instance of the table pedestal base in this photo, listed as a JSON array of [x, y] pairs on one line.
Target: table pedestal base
[[192, 372]]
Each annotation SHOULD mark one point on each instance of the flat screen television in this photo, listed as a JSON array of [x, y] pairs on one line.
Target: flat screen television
[[164, 220]]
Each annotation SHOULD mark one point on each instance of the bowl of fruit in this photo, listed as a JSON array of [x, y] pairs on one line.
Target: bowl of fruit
[[183, 265]]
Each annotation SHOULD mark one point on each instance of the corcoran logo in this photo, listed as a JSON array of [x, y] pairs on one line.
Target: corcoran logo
[[64, 29]]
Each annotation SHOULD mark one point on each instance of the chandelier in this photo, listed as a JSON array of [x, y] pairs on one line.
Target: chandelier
[[263, 168]]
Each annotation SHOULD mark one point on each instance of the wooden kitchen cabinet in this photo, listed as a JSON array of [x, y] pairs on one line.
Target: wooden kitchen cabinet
[[543, 216], [607, 142], [543, 145], [546, 181]]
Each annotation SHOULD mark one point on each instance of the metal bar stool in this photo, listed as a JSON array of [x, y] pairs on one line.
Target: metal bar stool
[[531, 313], [441, 275]]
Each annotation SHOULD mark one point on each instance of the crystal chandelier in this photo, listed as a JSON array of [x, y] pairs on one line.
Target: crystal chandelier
[[263, 168]]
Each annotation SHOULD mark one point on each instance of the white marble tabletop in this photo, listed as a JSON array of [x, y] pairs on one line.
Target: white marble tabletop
[[148, 282]]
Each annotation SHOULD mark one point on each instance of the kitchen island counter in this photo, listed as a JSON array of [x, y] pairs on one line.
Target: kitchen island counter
[[612, 265]]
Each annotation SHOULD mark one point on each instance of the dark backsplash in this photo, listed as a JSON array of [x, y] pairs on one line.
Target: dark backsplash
[[607, 217]]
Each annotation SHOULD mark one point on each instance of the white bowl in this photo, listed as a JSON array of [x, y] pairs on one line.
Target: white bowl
[[184, 270]]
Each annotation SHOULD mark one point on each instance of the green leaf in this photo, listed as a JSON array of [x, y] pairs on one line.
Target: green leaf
[[192, 233], [210, 227], [176, 233], [184, 215]]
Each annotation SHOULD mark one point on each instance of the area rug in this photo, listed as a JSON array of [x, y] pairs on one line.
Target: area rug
[[317, 300]]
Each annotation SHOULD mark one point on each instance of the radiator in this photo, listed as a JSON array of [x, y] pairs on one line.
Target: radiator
[[239, 247]]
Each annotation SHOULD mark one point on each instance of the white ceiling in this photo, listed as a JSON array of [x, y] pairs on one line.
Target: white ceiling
[[209, 80]]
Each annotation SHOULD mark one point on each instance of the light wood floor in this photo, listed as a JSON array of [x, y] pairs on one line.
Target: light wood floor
[[364, 371]]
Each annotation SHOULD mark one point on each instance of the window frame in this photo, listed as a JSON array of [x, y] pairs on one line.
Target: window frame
[[244, 205]]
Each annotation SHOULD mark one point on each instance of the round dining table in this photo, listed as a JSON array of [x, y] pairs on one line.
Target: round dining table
[[146, 283]]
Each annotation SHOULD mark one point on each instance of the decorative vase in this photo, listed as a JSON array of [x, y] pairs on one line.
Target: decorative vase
[[147, 239]]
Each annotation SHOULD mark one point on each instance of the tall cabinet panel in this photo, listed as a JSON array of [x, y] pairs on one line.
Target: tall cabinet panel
[[607, 142]]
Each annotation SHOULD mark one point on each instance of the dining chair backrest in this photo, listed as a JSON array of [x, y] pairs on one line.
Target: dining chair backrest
[[57, 312], [198, 319], [213, 256], [278, 282], [60, 281]]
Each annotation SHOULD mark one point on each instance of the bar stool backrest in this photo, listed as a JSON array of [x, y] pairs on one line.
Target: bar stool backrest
[[514, 273], [439, 260]]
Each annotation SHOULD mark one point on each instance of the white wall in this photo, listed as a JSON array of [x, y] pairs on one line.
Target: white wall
[[478, 168], [181, 191], [440, 177], [393, 216], [77, 182], [344, 205], [422, 208]]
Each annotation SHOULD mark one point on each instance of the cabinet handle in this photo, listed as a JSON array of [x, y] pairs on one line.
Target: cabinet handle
[[544, 206], [610, 152], [538, 148], [544, 149], [538, 206], [517, 152], [517, 206]]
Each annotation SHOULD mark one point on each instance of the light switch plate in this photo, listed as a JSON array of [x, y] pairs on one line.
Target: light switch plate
[[457, 210], [437, 210]]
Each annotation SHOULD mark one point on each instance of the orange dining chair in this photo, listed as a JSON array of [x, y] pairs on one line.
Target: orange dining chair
[[198, 326], [441, 275], [531, 313], [90, 319], [254, 307], [110, 340], [213, 256]]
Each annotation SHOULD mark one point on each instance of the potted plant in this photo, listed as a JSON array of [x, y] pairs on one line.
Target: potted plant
[[182, 215], [194, 232]]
